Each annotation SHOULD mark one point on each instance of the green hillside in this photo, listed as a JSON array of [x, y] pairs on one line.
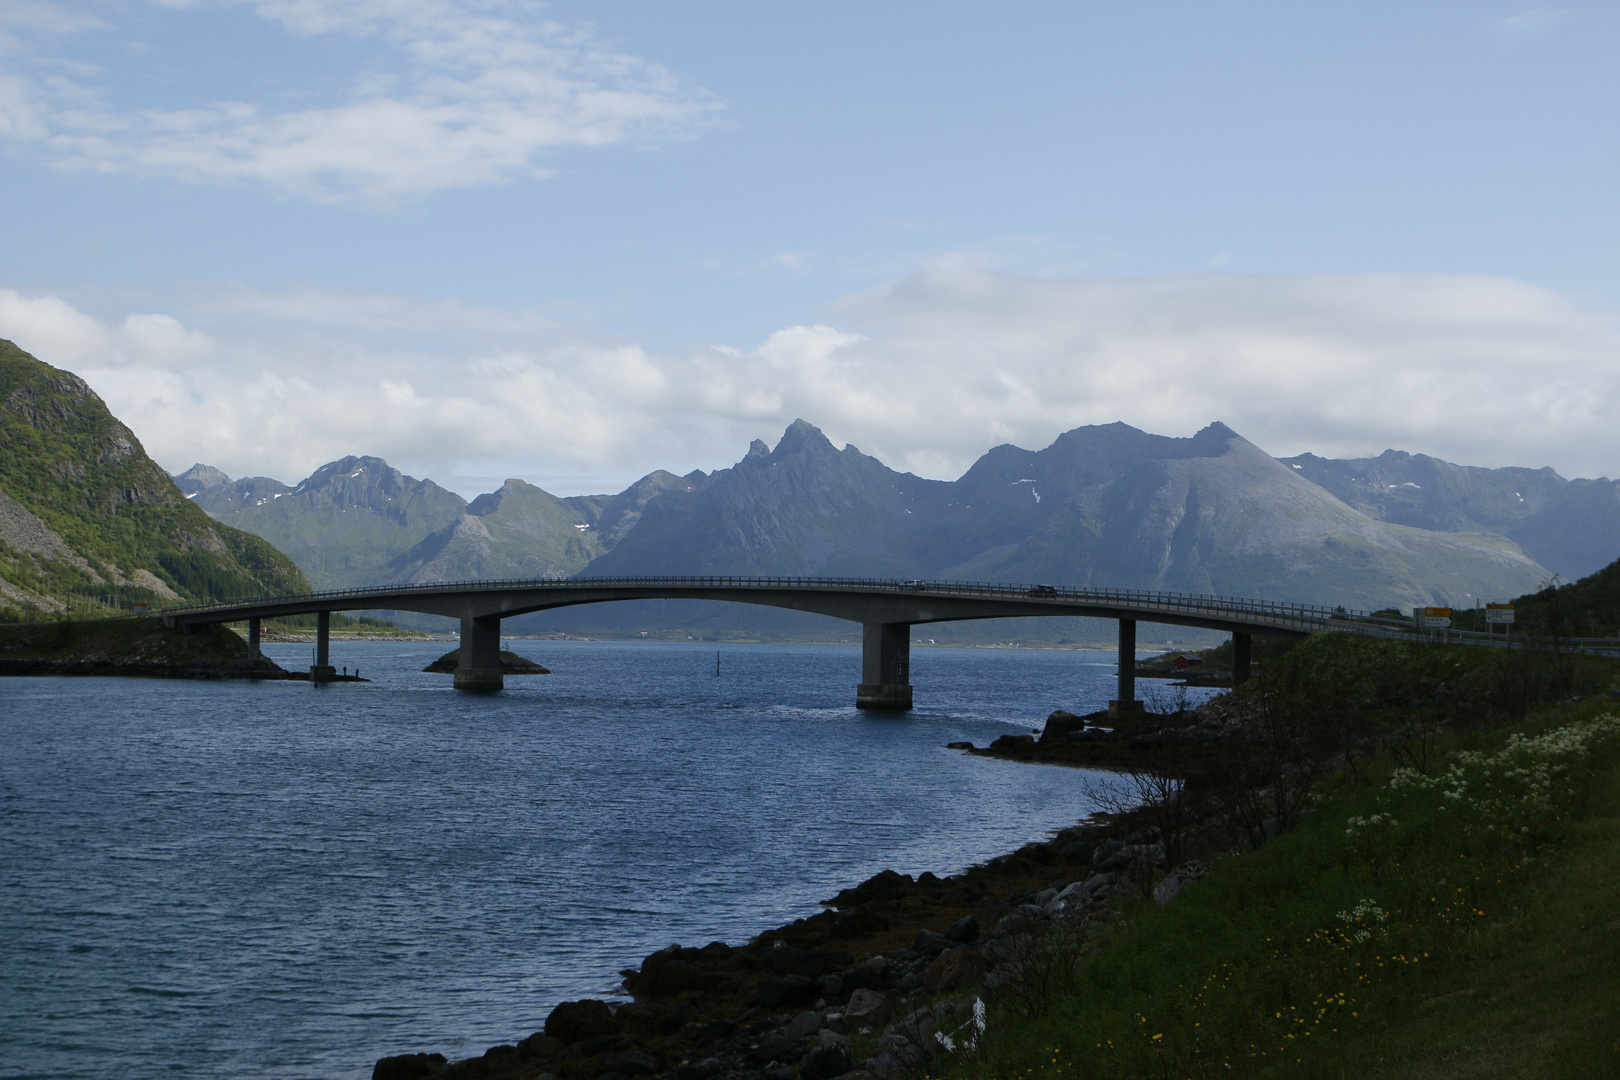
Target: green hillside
[[87, 519], [1589, 607]]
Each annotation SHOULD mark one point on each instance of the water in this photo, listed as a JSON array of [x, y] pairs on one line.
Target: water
[[210, 879]]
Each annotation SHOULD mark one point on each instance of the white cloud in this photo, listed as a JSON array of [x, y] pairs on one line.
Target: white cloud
[[1532, 23], [482, 91], [926, 372]]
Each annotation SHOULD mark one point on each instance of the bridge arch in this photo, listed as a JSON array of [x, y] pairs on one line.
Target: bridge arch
[[885, 608]]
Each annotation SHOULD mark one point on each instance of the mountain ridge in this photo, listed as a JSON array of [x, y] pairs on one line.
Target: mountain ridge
[[1107, 505]]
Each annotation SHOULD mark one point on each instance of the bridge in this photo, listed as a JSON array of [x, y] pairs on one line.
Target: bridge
[[886, 610]]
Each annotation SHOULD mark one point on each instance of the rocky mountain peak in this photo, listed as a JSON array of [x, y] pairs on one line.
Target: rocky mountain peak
[[803, 439], [200, 477]]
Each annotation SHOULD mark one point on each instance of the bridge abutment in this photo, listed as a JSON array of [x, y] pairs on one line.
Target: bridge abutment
[[254, 628], [885, 667], [480, 667]]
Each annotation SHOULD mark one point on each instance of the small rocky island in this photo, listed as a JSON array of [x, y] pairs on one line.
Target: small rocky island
[[511, 664]]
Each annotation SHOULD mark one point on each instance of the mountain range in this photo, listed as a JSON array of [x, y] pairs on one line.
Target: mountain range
[[1107, 505]]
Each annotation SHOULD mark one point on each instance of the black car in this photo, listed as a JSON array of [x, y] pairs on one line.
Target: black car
[[1042, 590]]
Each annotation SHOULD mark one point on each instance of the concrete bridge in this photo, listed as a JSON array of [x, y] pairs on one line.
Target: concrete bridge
[[886, 610]]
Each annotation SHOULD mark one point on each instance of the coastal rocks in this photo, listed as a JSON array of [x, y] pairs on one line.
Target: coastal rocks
[[630, 1063], [786, 991], [1060, 724], [963, 931], [408, 1066], [861, 922], [885, 885], [576, 1021], [1013, 743]]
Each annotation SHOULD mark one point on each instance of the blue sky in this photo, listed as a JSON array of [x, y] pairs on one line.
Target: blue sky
[[578, 241]]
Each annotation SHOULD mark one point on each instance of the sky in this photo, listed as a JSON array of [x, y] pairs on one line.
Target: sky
[[575, 242]]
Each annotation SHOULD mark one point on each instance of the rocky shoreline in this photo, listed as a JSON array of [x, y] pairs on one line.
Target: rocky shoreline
[[869, 984]]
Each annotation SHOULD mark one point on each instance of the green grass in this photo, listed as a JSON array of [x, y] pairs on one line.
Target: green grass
[[1476, 935]]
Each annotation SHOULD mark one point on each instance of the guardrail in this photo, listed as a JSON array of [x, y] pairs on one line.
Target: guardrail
[[1168, 601]]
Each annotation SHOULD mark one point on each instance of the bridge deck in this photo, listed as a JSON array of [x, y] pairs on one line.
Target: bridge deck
[[886, 608]]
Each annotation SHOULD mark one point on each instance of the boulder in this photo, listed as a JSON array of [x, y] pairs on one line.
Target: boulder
[[699, 1070], [825, 1062], [1059, 724], [963, 931], [883, 885], [786, 991], [859, 923], [1166, 890], [1013, 743], [1104, 850], [869, 974], [407, 1066], [960, 967], [804, 1025], [1078, 851], [775, 1047], [928, 943], [867, 1008], [578, 1021], [630, 1063], [539, 1045]]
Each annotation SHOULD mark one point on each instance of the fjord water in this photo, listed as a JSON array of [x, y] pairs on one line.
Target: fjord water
[[225, 878]]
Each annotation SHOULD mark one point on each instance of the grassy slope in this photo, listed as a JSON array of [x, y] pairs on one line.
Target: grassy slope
[[1490, 964], [70, 462]]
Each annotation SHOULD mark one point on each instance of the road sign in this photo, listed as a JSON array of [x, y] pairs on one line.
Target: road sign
[[1434, 618], [1499, 613]]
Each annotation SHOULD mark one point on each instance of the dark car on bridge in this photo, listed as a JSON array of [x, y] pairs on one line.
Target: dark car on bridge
[[1042, 590]]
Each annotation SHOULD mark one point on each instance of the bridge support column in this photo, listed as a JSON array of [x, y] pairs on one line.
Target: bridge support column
[[254, 627], [1242, 657], [1126, 705], [323, 671], [885, 667], [480, 667]]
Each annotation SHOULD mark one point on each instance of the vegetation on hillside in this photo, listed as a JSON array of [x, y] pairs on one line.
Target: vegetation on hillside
[[1441, 900], [95, 523]]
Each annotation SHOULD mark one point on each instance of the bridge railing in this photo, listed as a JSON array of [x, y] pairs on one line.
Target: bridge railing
[[1277, 614]]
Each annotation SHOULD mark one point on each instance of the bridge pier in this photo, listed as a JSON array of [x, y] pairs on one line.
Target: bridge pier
[[1242, 657], [885, 666], [1125, 704], [480, 667], [323, 671], [254, 626]]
